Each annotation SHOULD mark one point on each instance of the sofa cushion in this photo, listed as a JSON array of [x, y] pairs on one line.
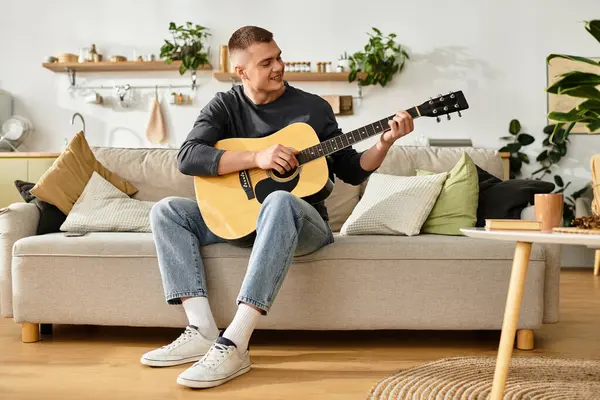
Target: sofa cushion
[[153, 172], [456, 206], [104, 208], [405, 160], [394, 205], [367, 247]]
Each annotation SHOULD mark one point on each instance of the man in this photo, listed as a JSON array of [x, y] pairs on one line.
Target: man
[[286, 225]]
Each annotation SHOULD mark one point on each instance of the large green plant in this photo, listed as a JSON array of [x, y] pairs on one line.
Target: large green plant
[[517, 140], [187, 46], [381, 59], [581, 85]]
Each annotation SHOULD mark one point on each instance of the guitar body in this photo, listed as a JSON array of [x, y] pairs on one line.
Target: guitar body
[[231, 212]]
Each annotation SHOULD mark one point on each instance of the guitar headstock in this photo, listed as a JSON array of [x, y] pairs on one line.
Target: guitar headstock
[[444, 105]]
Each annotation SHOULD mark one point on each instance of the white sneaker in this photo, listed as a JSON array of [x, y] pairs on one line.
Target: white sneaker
[[190, 346], [221, 364]]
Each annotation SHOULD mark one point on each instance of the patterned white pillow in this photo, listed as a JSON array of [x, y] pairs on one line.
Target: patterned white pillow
[[104, 208], [394, 205]]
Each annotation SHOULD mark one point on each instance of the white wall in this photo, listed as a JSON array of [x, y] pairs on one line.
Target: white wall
[[492, 50]]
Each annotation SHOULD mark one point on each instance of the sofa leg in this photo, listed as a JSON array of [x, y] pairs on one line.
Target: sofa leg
[[30, 332], [525, 339], [45, 329], [597, 263]]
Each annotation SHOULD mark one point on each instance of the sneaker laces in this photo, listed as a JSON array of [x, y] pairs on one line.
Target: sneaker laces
[[187, 335], [217, 353]]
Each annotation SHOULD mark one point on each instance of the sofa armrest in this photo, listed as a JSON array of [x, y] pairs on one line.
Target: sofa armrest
[[19, 220]]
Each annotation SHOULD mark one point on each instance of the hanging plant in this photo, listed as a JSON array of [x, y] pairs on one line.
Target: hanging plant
[[187, 46], [381, 59]]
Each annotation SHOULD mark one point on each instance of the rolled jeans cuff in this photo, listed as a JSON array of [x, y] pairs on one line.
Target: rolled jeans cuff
[[175, 298]]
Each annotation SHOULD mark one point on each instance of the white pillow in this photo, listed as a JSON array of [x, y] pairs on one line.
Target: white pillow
[[394, 205], [104, 208]]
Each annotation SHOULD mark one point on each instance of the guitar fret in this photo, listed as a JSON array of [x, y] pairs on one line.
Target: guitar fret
[[363, 131], [370, 130]]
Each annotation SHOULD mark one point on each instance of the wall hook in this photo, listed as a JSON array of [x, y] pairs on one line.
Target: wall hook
[[71, 74]]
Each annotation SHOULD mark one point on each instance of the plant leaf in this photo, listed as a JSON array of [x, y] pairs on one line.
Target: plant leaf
[[573, 58], [514, 127], [524, 157], [565, 117], [586, 92], [513, 147], [542, 156], [377, 31], [554, 156], [574, 79], [558, 180], [593, 27], [525, 139], [594, 125]]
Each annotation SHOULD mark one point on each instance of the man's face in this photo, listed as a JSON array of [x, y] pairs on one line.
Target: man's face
[[262, 67]]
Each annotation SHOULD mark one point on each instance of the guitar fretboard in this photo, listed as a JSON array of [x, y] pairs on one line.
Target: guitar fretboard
[[344, 140]]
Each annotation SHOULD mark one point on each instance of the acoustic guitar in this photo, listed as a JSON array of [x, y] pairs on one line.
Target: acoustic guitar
[[230, 203]]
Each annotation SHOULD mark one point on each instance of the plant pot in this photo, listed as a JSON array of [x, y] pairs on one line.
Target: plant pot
[[345, 64]]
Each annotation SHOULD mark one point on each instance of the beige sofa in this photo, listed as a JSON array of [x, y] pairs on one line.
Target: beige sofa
[[427, 282]]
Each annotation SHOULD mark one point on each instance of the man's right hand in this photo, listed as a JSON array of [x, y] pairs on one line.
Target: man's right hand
[[277, 157]]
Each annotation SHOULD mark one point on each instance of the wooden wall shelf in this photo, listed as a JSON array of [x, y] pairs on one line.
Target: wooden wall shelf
[[107, 66], [295, 76]]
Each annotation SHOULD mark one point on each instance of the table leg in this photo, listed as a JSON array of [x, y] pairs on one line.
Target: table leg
[[511, 317]]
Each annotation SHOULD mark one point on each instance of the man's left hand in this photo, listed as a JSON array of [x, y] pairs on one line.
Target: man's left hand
[[401, 125]]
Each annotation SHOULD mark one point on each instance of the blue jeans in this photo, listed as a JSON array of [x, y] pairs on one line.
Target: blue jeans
[[287, 226]]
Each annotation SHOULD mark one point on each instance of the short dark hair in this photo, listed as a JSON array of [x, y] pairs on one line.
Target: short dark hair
[[248, 35]]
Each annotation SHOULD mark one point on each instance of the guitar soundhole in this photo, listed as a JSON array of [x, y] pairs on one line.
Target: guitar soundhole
[[286, 175]]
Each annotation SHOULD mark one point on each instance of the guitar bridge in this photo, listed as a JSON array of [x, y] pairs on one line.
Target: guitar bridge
[[246, 184]]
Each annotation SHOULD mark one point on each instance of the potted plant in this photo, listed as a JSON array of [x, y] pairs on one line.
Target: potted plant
[[381, 59], [187, 46], [581, 85], [344, 62], [517, 140]]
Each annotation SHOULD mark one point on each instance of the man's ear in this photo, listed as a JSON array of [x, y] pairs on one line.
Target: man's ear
[[240, 72]]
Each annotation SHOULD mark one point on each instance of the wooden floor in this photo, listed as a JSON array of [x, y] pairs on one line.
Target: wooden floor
[[102, 362]]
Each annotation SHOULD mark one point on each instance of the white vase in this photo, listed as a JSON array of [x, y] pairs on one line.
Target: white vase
[[345, 64]]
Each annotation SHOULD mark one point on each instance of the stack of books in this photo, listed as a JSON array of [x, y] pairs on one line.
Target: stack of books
[[512, 225]]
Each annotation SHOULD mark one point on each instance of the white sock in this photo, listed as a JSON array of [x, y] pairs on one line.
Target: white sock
[[242, 326], [198, 313]]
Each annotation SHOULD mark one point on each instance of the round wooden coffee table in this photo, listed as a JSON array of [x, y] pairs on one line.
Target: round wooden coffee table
[[523, 240]]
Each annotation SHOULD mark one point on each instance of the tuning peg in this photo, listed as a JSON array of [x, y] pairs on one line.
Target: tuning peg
[[437, 119], [448, 115]]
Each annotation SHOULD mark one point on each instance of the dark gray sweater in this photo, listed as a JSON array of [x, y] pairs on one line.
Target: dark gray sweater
[[233, 115]]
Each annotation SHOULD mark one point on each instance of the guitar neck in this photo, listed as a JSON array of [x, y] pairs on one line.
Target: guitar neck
[[344, 140]]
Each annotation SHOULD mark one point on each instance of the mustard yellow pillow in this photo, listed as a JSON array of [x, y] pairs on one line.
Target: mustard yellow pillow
[[64, 181]]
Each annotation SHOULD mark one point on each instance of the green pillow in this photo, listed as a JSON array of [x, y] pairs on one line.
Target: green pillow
[[456, 206]]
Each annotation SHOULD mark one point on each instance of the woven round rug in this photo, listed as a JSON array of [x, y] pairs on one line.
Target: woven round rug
[[530, 378]]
